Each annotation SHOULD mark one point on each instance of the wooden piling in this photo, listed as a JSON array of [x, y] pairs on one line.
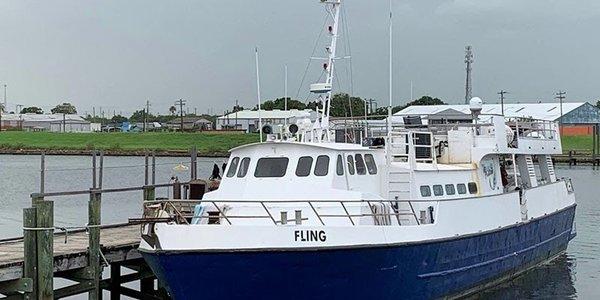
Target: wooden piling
[[94, 267], [29, 248], [45, 249]]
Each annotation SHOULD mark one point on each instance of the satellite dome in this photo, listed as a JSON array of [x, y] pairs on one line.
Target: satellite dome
[[475, 104]]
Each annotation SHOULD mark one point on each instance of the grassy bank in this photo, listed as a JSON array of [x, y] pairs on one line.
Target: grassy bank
[[207, 143], [135, 143], [576, 143]]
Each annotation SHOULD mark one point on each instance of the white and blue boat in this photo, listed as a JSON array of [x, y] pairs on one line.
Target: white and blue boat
[[427, 211]]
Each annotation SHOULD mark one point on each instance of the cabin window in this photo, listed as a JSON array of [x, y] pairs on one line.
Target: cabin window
[[450, 189], [371, 166], [438, 190], [472, 188], [360, 165], [350, 164], [271, 167], [304, 165], [233, 167], [244, 164], [425, 191], [322, 165], [461, 188], [339, 169]]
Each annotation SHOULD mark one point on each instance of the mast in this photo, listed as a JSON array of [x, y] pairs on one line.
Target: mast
[[325, 89], [258, 94]]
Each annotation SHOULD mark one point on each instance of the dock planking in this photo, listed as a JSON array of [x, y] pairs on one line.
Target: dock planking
[[118, 245]]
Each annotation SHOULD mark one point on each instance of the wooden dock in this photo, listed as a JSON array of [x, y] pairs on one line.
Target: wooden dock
[[28, 265], [118, 245]]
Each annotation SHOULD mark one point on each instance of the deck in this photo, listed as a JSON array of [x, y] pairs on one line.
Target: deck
[[118, 244]]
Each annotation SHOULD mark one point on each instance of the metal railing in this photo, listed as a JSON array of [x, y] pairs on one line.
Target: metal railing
[[182, 212]]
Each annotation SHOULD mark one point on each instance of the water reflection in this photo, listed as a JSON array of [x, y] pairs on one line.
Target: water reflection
[[552, 280]]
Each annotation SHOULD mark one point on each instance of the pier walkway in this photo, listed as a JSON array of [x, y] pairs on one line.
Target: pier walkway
[[118, 244], [82, 255]]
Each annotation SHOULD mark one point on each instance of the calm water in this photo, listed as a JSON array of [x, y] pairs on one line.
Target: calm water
[[573, 275]]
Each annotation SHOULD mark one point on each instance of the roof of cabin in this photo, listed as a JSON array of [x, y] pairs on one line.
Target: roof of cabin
[[539, 111], [325, 145]]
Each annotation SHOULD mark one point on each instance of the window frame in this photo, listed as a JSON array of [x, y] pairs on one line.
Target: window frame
[[247, 160], [339, 165], [258, 164], [461, 187], [450, 189], [441, 189], [317, 166], [350, 163], [361, 168], [369, 158], [306, 174], [471, 190], [424, 188], [233, 166]]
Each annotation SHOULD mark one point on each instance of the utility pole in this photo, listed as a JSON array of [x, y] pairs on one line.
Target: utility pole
[[468, 83], [502, 93], [561, 95], [181, 103], [5, 103], [371, 101], [146, 112], [236, 110]]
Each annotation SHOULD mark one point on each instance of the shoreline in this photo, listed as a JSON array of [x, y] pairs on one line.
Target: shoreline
[[108, 152]]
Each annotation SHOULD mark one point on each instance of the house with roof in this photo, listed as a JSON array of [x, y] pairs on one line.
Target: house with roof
[[248, 120], [576, 118]]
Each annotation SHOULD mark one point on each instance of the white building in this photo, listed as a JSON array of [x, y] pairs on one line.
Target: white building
[[538, 111], [247, 120], [47, 122]]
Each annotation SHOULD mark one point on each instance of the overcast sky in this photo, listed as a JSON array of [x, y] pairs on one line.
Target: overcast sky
[[117, 54]]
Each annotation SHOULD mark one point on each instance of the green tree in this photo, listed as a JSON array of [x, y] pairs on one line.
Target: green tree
[[32, 110], [425, 100], [598, 104], [172, 109], [64, 108], [140, 116], [118, 119], [279, 103], [344, 105]]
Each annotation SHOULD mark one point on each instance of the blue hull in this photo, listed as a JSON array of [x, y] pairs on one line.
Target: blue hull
[[410, 271]]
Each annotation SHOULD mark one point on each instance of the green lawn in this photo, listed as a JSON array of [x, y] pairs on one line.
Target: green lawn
[[207, 143], [576, 143]]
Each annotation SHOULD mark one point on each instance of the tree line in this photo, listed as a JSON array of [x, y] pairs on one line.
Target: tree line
[[342, 105]]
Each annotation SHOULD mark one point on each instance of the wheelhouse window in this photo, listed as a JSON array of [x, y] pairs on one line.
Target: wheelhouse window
[[304, 166], [339, 166], [438, 190], [461, 188], [371, 166], [472, 188], [360, 165], [450, 189], [425, 191], [244, 164], [271, 167], [233, 166], [350, 164], [322, 165]]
